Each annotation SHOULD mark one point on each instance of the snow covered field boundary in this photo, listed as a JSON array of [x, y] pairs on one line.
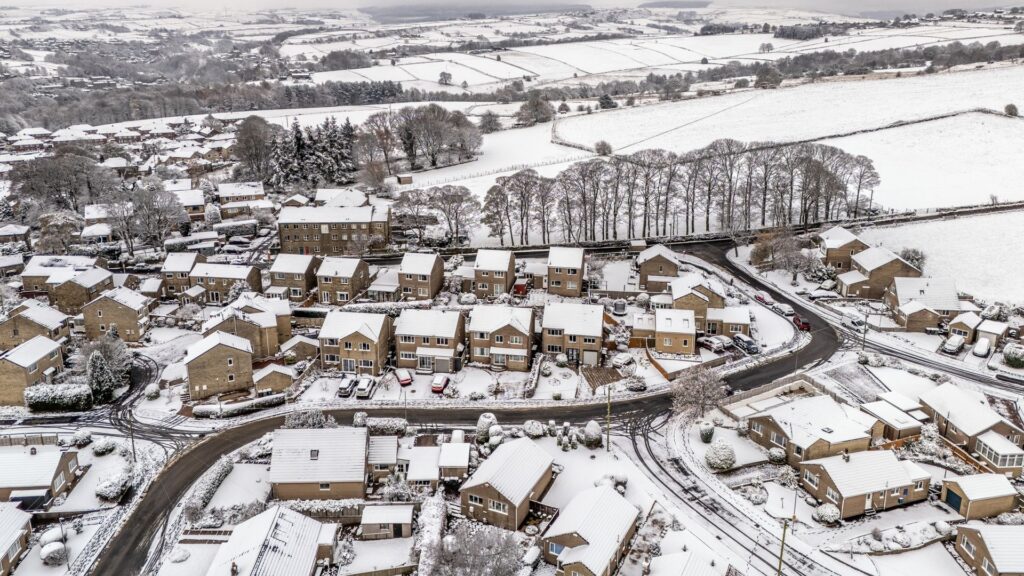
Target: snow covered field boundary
[[498, 170]]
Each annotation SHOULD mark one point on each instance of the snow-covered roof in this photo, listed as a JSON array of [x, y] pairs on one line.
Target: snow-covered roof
[[341, 197], [179, 262], [340, 324], [128, 297], [891, 415], [852, 277], [565, 257], [422, 463], [675, 321], [814, 418], [177, 184], [275, 542], [45, 265], [236, 189], [454, 455], [484, 318], [213, 340], [332, 214], [338, 267], [273, 369], [150, 285], [45, 316], [513, 469], [387, 514], [655, 251], [291, 263], [13, 524], [382, 450], [983, 486], [602, 518], [1003, 545], [901, 401], [969, 319], [102, 211], [935, 293], [299, 339], [836, 237], [993, 327], [873, 258], [258, 204], [190, 197], [91, 277], [579, 319], [31, 351], [232, 271], [416, 263], [913, 307], [967, 410], [302, 200], [999, 444], [260, 303], [870, 471], [303, 456], [687, 285], [19, 468], [492, 260], [13, 230], [386, 280], [100, 230], [417, 322], [261, 319], [730, 314]]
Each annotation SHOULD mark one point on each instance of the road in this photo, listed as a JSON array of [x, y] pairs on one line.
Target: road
[[127, 552]]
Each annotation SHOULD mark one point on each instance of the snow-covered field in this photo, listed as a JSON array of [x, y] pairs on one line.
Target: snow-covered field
[[979, 252]]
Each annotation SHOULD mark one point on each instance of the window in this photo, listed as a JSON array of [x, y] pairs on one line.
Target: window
[[499, 339], [554, 349], [589, 340], [481, 335], [407, 339], [499, 274], [314, 454], [13, 551], [967, 545], [325, 485], [380, 467], [811, 479], [555, 332], [32, 368], [481, 351], [331, 341], [570, 285], [442, 341], [407, 356], [476, 500], [426, 340], [572, 338], [99, 313], [364, 346], [342, 296], [326, 280], [756, 427], [330, 357], [778, 439], [988, 567], [231, 377], [499, 507], [59, 482], [919, 485], [832, 495], [735, 328], [366, 363], [666, 341], [348, 345], [515, 340], [555, 549], [231, 361]]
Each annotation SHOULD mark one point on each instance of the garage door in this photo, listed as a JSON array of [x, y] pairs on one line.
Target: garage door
[[953, 499]]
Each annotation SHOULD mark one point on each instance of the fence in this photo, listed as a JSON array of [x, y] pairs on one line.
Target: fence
[[28, 440]]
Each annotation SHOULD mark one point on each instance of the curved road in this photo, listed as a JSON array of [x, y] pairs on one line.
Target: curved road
[[127, 552]]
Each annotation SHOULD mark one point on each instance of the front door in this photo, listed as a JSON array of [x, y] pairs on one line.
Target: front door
[[348, 365], [573, 354], [867, 502], [396, 530], [426, 363]]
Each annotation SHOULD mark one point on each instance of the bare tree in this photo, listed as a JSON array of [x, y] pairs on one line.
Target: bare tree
[[157, 211], [457, 207], [379, 134], [494, 552], [254, 142], [57, 230], [864, 177], [415, 204], [697, 392]]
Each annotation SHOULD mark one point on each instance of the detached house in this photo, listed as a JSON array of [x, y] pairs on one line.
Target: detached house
[[218, 364], [675, 331], [33, 362], [122, 309], [693, 293], [38, 271], [864, 482], [70, 291], [13, 233], [500, 491], [319, 464], [591, 535], [355, 342], [657, 267], [576, 330], [991, 549], [35, 475], [176, 269], [218, 279], [259, 328], [430, 340], [340, 280], [293, 276], [921, 303], [837, 245], [501, 336], [194, 203], [420, 276], [494, 273], [275, 541], [30, 320], [965, 325], [872, 270], [15, 529], [565, 271], [240, 191], [813, 427]]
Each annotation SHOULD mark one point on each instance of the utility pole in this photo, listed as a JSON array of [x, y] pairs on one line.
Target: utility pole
[[131, 432], [782, 546], [608, 419]]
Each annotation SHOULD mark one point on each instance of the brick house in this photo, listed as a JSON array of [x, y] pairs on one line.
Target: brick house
[[70, 293], [176, 269], [566, 271], [35, 361], [355, 342], [693, 293], [864, 482], [385, 521], [36, 474], [13, 233], [657, 267], [319, 464], [494, 273], [730, 321], [837, 245], [273, 378], [576, 330], [240, 191], [420, 276], [430, 340], [918, 303], [813, 427], [990, 549], [217, 364], [294, 275], [979, 496], [334, 231], [252, 303], [592, 534], [15, 529], [500, 491], [674, 331], [873, 270], [303, 347], [259, 328], [218, 279], [30, 320], [123, 308], [340, 280], [39, 269], [194, 203], [966, 325], [501, 336]]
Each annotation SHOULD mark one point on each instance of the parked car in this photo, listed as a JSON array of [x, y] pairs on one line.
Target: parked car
[[439, 383], [725, 341], [747, 344], [347, 387], [991, 312], [710, 343], [404, 377], [764, 298], [622, 359], [801, 324], [954, 344], [822, 295], [982, 348], [855, 322], [784, 309], [365, 387]]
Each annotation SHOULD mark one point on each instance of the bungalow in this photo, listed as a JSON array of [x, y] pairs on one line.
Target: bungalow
[[920, 303], [500, 491], [420, 276], [430, 340], [340, 280], [420, 465], [386, 521], [836, 247], [566, 271], [991, 549], [896, 423], [295, 275], [32, 362], [11, 265], [494, 273], [176, 269], [501, 336], [217, 364], [657, 267], [355, 342], [240, 191], [873, 270], [592, 534], [318, 464], [35, 475], [295, 200], [576, 330], [864, 482], [979, 496], [219, 279], [275, 541], [15, 529], [28, 321], [250, 208], [120, 309], [813, 427]]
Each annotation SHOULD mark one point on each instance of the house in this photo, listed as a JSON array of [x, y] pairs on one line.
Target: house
[[420, 276], [301, 347], [340, 280], [355, 342], [501, 336], [240, 191], [836, 247], [812, 427], [13, 233], [592, 534], [295, 275], [70, 291], [382, 457], [217, 364], [251, 208], [38, 271], [34, 475], [729, 321], [318, 464], [275, 541], [657, 267], [295, 200], [453, 461], [333, 231], [864, 482], [991, 549], [993, 331], [693, 292], [259, 328], [106, 213], [565, 271], [494, 273], [32, 362], [576, 330], [194, 203], [965, 419], [430, 340], [176, 269], [500, 491], [96, 234], [896, 423], [219, 279], [15, 529], [979, 496], [871, 271], [919, 303], [28, 321], [11, 265], [965, 325], [253, 303], [120, 309], [668, 331], [385, 286], [386, 521], [419, 464], [273, 378], [151, 287]]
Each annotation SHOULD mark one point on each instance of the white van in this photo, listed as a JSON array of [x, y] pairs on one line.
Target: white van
[[855, 322], [982, 348], [954, 344]]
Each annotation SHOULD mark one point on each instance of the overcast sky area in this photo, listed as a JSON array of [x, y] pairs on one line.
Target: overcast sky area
[[851, 7]]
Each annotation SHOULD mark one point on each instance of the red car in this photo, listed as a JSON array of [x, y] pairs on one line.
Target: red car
[[404, 377], [801, 324]]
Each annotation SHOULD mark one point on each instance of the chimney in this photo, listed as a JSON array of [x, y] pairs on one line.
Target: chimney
[[846, 455], [32, 450]]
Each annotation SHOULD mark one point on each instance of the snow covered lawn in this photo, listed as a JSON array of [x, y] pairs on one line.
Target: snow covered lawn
[[903, 382], [563, 381], [33, 565], [200, 556], [933, 559], [583, 467], [747, 452], [378, 555], [83, 496], [246, 483]]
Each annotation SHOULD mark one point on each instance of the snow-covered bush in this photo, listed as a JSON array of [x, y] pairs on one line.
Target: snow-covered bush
[[396, 489], [104, 446], [58, 397], [495, 435], [483, 427], [376, 426], [720, 456], [152, 391], [1010, 518], [545, 370], [467, 299], [592, 435], [237, 228], [827, 513], [533, 428], [113, 486], [55, 534], [178, 555], [451, 390], [776, 455], [54, 554], [238, 408], [359, 420], [81, 438], [942, 527], [1013, 356], [707, 432], [201, 494], [556, 395], [561, 360], [309, 419]]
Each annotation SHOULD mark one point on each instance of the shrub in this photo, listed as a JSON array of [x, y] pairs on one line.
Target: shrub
[[237, 409], [592, 435], [1013, 356], [54, 554], [483, 426], [720, 456], [827, 514], [104, 446], [55, 534], [707, 432], [152, 391], [533, 428], [238, 228], [81, 438], [386, 426], [205, 488], [113, 486], [359, 420], [1011, 109], [777, 456], [58, 397]]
